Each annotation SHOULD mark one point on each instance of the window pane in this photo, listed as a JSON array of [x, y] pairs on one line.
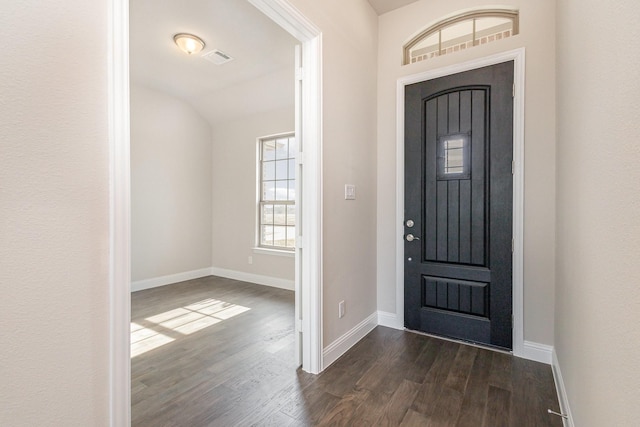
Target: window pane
[[280, 214], [268, 150], [269, 190], [281, 190], [266, 237], [291, 215], [485, 26], [281, 169], [267, 214], [268, 171], [427, 48], [291, 237], [292, 190], [280, 236], [292, 148], [453, 156], [282, 148], [277, 183], [430, 43], [457, 34], [292, 169]]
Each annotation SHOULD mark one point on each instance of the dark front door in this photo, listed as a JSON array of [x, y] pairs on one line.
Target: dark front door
[[458, 205]]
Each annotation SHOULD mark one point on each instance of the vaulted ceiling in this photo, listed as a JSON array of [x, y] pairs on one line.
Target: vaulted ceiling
[[260, 76]]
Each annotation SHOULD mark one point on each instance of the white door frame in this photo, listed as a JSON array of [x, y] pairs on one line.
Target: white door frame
[[281, 12], [518, 57], [309, 132]]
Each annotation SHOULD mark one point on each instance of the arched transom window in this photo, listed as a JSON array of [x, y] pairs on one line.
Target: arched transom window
[[461, 32]]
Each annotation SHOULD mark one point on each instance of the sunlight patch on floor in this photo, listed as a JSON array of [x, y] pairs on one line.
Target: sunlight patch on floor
[[145, 339], [180, 321]]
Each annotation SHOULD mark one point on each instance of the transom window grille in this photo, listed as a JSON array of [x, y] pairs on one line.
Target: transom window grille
[[277, 210], [461, 32]]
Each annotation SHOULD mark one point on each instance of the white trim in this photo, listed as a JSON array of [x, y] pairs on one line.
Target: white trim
[[119, 216], [274, 252], [518, 56], [537, 352], [156, 282], [298, 265], [309, 132], [348, 340], [312, 209], [390, 320], [563, 399], [289, 18], [274, 282]]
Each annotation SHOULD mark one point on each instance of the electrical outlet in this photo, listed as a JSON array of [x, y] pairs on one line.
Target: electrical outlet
[[341, 309], [250, 260], [349, 192]]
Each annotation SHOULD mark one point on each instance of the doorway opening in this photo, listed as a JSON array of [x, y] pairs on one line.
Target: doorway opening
[[308, 247]]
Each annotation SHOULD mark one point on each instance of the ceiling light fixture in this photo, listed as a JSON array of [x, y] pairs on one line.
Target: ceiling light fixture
[[188, 43]]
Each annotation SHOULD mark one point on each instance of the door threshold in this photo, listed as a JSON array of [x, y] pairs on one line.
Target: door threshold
[[459, 341]]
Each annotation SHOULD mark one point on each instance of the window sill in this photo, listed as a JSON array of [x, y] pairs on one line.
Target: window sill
[[276, 252]]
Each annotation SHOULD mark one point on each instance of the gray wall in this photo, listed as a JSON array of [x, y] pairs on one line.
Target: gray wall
[[54, 214], [234, 193], [171, 197], [597, 317], [350, 36]]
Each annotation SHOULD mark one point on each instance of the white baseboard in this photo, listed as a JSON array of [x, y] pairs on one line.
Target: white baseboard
[[274, 282], [333, 351], [562, 391], [537, 352], [390, 320], [212, 271], [167, 280]]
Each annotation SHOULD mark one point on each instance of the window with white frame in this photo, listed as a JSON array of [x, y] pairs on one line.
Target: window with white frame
[[461, 32], [277, 188]]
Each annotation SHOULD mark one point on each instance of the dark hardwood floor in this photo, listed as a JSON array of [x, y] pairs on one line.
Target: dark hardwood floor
[[219, 352]]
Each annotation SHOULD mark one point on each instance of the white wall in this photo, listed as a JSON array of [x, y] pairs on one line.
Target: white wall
[[597, 321], [234, 192], [171, 194], [537, 35], [349, 30], [54, 227]]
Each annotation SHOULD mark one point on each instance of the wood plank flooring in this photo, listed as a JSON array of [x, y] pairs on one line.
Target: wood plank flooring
[[219, 352]]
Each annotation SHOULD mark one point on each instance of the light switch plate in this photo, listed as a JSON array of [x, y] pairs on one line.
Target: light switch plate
[[349, 192]]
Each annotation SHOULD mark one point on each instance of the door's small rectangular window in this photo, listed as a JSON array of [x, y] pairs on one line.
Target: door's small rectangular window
[[276, 217], [453, 157]]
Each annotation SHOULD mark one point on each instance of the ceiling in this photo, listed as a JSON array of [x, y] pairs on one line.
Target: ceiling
[[384, 6], [260, 76]]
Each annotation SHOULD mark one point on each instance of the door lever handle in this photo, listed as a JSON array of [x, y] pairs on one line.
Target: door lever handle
[[411, 238]]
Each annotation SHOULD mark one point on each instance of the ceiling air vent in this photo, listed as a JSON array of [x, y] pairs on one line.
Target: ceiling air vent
[[217, 57]]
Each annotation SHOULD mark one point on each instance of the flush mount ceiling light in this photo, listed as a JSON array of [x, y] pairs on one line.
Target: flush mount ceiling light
[[188, 43]]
